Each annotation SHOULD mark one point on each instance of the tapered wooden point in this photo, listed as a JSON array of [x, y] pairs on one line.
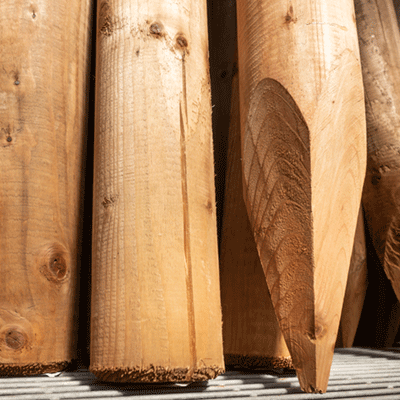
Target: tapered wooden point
[[380, 54], [356, 288], [304, 156], [251, 333]]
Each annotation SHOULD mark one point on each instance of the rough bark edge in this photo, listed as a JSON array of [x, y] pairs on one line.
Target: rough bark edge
[[32, 369], [250, 362], [155, 374]]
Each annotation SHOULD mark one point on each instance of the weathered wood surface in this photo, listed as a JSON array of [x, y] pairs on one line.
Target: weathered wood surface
[[303, 151], [356, 288], [156, 311], [251, 334], [380, 54], [43, 88]]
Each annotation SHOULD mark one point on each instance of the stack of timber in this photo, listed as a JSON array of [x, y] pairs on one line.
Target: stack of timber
[[303, 153], [156, 312], [43, 89], [380, 54]]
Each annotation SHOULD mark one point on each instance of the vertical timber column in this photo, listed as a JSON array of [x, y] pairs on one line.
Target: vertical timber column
[[156, 313], [251, 333], [304, 155], [380, 54], [356, 288], [43, 85]]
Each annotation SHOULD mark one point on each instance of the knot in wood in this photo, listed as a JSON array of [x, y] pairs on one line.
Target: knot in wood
[[157, 29], [182, 42], [14, 339], [58, 267], [54, 263]]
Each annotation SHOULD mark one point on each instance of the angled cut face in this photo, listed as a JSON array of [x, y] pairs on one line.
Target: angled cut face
[[302, 184], [276, 166]]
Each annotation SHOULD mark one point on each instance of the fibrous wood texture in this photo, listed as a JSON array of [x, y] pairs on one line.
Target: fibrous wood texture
[[356, 288], [303, 152], [43, 82], [380, 53], [251, 334], [155, 297]]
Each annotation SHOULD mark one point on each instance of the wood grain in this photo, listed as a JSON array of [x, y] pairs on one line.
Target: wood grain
[[303, 151], [156, 303], [356, 287], [252, 337], [380, 53], [43, 88]]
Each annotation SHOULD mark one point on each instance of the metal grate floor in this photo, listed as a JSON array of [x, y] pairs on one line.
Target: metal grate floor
[[356, 374]]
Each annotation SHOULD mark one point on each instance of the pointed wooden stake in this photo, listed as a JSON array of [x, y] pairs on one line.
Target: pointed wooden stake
[[252, 337], [43, 83], [380, 54], [303, 151], [356, 288], [156, 311]]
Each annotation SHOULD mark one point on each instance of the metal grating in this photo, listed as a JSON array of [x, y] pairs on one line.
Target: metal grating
[[356, 374]]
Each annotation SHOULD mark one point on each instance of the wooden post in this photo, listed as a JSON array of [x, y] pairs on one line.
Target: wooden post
[[43, 88], [252, 337], [155, 298], [380, 53], [303, 151], [356, 288]]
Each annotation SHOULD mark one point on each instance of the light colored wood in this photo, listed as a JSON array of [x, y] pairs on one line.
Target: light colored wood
[[156, 311], [303, 151], [43, 88], [251, 334], [380, 53], [356, 288]]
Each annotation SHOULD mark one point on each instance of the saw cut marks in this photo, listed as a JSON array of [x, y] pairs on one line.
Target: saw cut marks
[[43, 129], [156, 310], [278, 180], [252, 337]]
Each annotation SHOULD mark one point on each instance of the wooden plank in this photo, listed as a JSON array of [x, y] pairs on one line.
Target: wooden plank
[[303, 151], [356, 288], [380, 53], [251, 334], [156, 313], [43, 84]]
